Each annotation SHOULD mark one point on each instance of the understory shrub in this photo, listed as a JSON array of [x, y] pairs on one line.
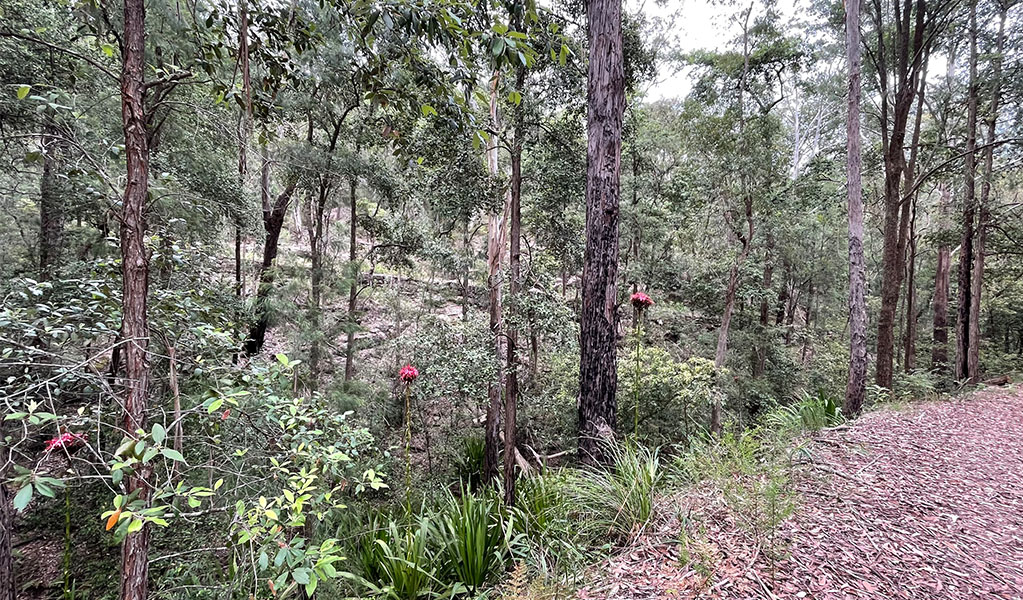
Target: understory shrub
[[808, 412]]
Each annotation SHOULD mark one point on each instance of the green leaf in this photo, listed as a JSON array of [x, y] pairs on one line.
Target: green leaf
[[23, 497], [172, 454], [283, 359], [159, 433], [23, 91], [301, 575], [107, 49]]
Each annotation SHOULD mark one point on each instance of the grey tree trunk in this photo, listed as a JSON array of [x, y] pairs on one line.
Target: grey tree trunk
[[939, 337], [856, 386], [495, 249], [605, 94], [514, 284]]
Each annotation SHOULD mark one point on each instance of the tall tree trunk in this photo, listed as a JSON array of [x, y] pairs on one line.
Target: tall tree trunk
[[8, 581], [977, 282], [353, 291], [514, 284], [939, 344], [51, 207], [909, 334], [969, 212], [495, 249], [135, 283], [909, 42], [605, 93], [910, 202], [721, 352], [317, 243], [856, 386], [760, 352], [274, 212]]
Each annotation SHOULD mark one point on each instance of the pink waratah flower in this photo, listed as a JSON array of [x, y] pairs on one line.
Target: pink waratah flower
[[408, 374], [641, 300], [64, 440]]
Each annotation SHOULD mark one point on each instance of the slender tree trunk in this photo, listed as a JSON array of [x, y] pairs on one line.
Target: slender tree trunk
[[977, 282], [856, 386], [8, 582], [353, 291], [939, 345], [598, 372], [51, 207], [969, 212], [514, 284], [317, 242], [135, 279], [495, 249], [909, 334], [274, 212], [760, 352]]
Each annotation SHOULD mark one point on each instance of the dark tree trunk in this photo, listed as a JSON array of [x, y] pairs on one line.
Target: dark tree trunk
[[317, 243], [939, 346], [353, 291], [51, 208], [969, 213], [977, 282], [274, 213], [8, 582], [514, 284], [909, 42], [856, 386], [598, 372], [135, 276], [760, 352]]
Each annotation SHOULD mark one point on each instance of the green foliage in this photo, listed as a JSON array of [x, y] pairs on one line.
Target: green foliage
[[614, 502], [472, 534], [806, 413], [468, 461]]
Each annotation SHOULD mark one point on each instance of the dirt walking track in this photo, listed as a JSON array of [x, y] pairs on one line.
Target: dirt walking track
[[923, 503]]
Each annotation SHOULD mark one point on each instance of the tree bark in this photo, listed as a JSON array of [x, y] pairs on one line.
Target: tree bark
[[939, 337], [760, 352], [495, 249], [274, 213], [856, 386], [909, 334], [8, 581], [514, 284], [353, 291], [51, 207], [969, 212], [977, 281], [605, 93], [909, 42], [135, 283]]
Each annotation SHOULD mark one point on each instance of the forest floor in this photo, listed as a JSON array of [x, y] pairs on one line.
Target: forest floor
[[922, 502]]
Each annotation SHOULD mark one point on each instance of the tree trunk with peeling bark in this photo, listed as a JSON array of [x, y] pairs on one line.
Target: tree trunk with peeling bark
[[495, 249], [514, 284], [605, 93]]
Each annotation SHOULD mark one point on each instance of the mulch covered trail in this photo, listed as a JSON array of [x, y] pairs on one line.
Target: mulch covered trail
[[925, 503]]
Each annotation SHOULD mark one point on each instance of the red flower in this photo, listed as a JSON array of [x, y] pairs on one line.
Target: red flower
[[64, 440], [641, 301], [408, 374]]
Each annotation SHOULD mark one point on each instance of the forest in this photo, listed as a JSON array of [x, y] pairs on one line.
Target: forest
[[506, 299]]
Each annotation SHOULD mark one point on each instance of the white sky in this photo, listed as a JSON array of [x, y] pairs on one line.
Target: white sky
[[697, 24]]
